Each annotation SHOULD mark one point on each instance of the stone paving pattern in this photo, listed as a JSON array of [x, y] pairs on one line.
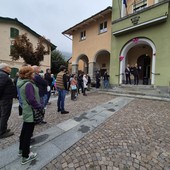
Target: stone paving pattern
[[135, 138], [52, 116]]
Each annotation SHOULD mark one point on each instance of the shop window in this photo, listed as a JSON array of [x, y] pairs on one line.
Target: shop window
[[83, 35], [103, 27]]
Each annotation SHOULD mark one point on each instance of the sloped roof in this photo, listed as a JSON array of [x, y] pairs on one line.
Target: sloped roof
[[93, 18], [15, 21]]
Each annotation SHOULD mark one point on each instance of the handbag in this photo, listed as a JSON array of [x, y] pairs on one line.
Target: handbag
[[38, 115], [73, 87]]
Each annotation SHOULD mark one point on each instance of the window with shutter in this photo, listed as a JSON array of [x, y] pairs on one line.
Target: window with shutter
[[14, 32]]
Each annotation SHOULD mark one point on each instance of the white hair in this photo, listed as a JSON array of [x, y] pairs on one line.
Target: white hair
[[3, 65]]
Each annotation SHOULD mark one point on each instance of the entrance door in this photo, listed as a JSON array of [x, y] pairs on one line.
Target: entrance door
[[144, 75]]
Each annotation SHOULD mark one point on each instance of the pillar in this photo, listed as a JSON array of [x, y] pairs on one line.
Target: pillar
[[74, 68], [91, 69]]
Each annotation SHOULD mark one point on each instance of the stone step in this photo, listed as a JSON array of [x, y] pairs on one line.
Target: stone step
[[137, 87], [137, 91]]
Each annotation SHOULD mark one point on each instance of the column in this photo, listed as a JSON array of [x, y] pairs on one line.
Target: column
[[74, 68], [91, 69]]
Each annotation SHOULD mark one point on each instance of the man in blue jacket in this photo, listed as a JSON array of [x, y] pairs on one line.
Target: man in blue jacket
[[7, 93]]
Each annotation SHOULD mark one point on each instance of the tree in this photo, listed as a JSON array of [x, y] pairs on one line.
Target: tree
[[57, 59], [22, 47]]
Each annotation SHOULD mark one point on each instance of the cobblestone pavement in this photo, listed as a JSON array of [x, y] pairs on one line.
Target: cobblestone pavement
[[135, 138], [52, 116]]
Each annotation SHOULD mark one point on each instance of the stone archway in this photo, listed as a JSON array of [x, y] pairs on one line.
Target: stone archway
[[102, 61], [81, 64], [128, 47]]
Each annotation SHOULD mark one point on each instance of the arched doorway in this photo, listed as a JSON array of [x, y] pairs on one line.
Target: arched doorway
[[132, 48], [102, 62]]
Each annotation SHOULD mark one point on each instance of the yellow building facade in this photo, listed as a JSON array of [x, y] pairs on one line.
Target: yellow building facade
[[136, 33], [91, 43]]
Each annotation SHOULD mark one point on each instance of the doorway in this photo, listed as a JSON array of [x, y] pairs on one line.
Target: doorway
[[144, 63]]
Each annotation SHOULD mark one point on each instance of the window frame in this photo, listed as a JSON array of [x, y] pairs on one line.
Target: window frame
[[139, 5], [14, 32], [103, 27], [82, 35]]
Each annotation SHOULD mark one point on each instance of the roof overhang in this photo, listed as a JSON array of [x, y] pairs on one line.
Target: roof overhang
[[88, 21]]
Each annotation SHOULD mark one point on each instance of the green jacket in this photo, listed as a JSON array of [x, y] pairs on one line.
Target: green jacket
[[27, 110]]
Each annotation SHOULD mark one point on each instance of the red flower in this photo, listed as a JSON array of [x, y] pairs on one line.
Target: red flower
[[135, 40], [121, 58]]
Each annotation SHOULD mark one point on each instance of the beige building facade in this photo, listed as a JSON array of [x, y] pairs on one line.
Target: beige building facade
[[119, 35], [91, 43], [9, 29]]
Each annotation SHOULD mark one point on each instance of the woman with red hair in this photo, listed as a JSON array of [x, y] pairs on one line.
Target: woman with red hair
[[30, 100]]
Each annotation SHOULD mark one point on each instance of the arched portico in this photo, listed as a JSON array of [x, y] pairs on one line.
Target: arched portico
[[81, 63], [131, 44], [101, 61]]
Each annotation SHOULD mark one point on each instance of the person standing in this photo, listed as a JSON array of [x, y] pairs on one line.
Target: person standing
[[73, 85], [42, 86], [97, 79], [18, 95], [85, 81], [7, 93], [136, 74], [62, 89], [106, 80], [49, 79], [53, 90], [89, 82], [80, 82], [127, 73], [30, 101]]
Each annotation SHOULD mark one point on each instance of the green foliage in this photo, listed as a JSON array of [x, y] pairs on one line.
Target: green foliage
[[22, 47], [57, 59]]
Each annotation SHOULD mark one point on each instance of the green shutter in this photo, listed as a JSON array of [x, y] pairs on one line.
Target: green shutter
[[11, 46], [14, 72], [14, 32]]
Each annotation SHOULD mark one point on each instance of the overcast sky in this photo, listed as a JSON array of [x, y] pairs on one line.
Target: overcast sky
[[50, 18]]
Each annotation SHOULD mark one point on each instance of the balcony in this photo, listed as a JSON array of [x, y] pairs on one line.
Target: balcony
[[146, 17]]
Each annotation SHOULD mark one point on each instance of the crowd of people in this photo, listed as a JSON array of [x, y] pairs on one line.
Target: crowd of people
[[33, 90]]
